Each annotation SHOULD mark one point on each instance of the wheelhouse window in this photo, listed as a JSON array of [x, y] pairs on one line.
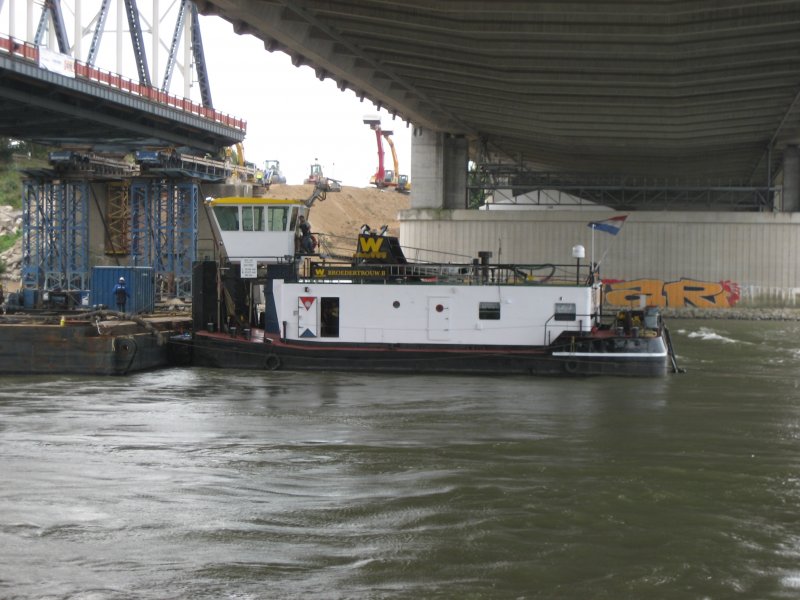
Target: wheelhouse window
[[489, 311], [277, 218], [252, 218], [565, 311], [227, 217]]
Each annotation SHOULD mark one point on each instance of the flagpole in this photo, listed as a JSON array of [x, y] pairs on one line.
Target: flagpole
[[592, 266]]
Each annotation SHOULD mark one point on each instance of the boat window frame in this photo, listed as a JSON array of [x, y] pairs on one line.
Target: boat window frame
[[565, 311], [223, 214], [281, 214], [253, 222], [489, 311]]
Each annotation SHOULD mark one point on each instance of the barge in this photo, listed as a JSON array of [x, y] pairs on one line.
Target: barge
[[90, 343]]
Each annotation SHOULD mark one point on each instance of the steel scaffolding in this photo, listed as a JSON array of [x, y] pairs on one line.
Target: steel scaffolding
[[163, 230], [55, 238]]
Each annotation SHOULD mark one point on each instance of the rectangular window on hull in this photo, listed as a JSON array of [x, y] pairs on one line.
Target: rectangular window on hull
[[489, 311], [565, 311], [329, 317]]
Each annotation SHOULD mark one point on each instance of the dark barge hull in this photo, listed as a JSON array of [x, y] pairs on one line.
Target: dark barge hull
[[27, 349], [218, 350]]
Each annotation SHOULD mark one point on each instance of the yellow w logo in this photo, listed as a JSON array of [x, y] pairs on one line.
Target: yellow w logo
[[370, 245]]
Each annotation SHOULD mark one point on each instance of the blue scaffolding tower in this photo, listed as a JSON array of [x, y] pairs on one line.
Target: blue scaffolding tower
[[164, 232], [55, 234]]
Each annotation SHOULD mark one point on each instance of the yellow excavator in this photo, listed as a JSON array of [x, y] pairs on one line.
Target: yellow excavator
[[386, 177], [244, 170]]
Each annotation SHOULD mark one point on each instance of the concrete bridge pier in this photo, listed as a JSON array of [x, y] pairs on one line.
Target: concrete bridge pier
[[790, 201], [439, 167]]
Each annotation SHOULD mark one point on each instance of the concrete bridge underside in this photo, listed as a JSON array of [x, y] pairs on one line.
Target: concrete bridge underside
[[680, 94]]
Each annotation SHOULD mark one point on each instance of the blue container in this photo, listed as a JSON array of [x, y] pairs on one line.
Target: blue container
[[140, 282], [30, 298]]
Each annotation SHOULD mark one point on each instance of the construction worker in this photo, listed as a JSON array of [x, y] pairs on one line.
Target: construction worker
[[121, 294], [306, 241]]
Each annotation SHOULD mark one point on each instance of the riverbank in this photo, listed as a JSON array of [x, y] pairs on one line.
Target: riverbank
[[739, 314]]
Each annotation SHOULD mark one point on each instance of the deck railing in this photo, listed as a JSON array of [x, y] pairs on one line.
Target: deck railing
[[448, 274]]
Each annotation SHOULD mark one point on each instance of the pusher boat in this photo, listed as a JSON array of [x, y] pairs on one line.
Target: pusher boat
[[265, 305]]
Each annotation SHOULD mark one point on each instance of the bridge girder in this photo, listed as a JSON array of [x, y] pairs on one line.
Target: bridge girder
[[699, 91]]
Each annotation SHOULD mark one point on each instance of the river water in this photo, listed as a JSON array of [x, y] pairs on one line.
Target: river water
[[194, 483]]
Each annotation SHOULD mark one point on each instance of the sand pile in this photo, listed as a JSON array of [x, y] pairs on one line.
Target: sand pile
[[343, 213]]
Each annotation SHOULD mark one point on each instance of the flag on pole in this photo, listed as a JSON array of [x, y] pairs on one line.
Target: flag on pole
[[612, 225]]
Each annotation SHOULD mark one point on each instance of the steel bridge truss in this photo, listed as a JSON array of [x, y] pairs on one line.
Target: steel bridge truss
[[55, 238], [508, 182], [163, 232]]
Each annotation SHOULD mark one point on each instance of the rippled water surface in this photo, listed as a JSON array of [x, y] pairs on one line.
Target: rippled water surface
[[197, 483]]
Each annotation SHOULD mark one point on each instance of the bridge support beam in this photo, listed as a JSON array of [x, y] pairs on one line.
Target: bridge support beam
[[439, 167], [790, 201]]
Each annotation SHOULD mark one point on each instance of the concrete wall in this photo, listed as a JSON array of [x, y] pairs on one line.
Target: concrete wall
[[675, 258], [437, 162], [97, 229]]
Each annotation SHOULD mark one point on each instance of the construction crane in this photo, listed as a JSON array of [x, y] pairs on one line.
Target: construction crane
[[386, 177]]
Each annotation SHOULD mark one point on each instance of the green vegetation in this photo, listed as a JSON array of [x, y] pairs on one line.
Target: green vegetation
[[6, 241], [9, 239], [476, 178], [10, 181], [10, 187], [10, 178]]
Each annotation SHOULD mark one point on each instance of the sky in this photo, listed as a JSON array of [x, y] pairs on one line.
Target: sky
[[291, 116]]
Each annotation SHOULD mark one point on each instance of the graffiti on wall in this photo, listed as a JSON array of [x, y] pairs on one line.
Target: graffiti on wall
[[681, 293]]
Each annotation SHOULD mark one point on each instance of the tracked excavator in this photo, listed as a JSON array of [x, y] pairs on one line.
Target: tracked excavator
[[385, 178]]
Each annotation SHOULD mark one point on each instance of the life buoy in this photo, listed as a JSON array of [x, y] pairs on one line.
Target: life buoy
[[571, 366], [273, 362]]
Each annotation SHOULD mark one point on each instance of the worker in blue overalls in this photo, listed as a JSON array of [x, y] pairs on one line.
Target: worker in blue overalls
[[121, 294]]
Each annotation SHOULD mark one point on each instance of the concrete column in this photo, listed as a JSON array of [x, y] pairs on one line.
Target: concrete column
[[790, 201], [439, 170]]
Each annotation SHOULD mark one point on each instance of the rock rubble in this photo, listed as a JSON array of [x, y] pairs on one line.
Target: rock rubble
[[11, 224]]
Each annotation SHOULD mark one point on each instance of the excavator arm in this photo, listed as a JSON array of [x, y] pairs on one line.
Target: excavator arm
[[388, 136]]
